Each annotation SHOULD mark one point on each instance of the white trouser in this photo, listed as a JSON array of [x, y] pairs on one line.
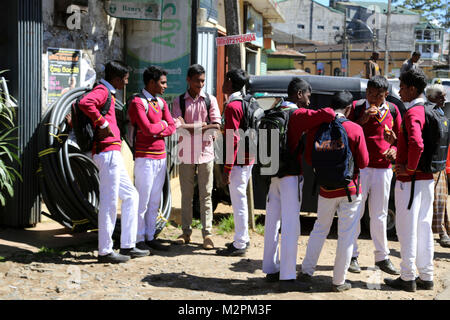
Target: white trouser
[[239, 177], [283, 207], [115, 183], [414, 229], [347, 227], [375, 185], [149, 176]]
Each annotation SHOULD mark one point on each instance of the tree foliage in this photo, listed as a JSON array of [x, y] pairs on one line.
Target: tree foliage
[[429, 9]]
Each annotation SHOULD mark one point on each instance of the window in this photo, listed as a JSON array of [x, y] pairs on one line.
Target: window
[[427, 35], [321, 27], [336, 28], [436, 48], [301, 26], [426, 48], [419, 34], [418, 49]]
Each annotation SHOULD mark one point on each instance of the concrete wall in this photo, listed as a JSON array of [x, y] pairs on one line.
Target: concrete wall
[[310, 15], [402, 35], [100, 38]]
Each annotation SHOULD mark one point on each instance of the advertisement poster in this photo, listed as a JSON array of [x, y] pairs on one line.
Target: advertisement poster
[[63, 72], [165, 43]]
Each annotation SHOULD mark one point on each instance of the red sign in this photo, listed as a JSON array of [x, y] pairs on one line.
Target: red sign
[[241, 38]]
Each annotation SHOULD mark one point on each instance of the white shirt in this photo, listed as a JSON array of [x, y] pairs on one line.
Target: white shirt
[[420, 99], [288, 105], [382, 109], [235, 95]]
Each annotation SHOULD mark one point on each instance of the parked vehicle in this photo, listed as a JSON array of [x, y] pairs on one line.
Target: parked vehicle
[[269, 90]]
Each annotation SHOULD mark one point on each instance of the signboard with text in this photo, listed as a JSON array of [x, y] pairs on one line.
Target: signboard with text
[[165, 43], [63, 72], [134, 9], [241, 38]]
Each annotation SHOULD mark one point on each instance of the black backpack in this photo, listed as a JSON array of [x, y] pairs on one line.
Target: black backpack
[[251, 120], [274, 126], [82, 124], [435, 135], [183, 105], [332, 159]]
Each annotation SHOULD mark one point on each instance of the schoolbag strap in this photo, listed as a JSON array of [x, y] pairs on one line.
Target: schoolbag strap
[[411, 196], [347, 191], [182, 104], [107, 106], [359, 107], [208, 107], [357, 185]]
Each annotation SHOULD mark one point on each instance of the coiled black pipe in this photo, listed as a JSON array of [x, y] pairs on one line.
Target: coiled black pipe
[[69, 180]]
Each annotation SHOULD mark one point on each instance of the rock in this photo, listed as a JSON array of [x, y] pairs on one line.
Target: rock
[[59, 289]]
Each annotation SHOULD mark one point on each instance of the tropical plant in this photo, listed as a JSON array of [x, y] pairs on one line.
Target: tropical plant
[[8, 150]]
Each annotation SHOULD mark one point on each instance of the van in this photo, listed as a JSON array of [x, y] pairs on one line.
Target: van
[[268, 90]]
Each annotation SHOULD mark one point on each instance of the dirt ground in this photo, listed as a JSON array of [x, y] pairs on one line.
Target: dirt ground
[[191, 273]]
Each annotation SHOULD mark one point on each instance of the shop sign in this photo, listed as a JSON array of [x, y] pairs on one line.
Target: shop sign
[[241, 38], [134, 9]]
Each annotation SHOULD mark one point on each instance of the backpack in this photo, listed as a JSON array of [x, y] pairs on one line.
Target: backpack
[[361, 104], [183, 105], [435, 135], [82, 125], [128, 130], [332, 159], [277, 120], [251, 119]]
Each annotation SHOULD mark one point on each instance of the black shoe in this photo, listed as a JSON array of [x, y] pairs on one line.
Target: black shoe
[[231, 251], [287, 286], [142, 246], [304, 277], [113, 257], [273, 277], [444, 241], [387, 266], [342, 287], [424, 285], [155, 244], [247, 244], [134, 252], [354, 266], [400, 284], [292, 285]]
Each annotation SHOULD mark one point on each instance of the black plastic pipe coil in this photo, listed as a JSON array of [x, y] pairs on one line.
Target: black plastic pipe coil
[[69, 181]]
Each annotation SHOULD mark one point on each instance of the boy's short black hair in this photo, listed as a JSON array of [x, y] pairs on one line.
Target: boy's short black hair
[[238, 78], [296, 85], [115, 69], [416, 53], [378, 82], [414, 78], [153, 73], [341, 100], [195, 69]]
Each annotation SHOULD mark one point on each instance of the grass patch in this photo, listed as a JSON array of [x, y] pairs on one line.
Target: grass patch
[[259, 229], [2, 259], [51, 251], [226, 225], [196, 224]]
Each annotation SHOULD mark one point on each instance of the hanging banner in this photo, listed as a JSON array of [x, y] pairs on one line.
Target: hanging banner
[[63, 72], [166, 44], [134, 9]]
